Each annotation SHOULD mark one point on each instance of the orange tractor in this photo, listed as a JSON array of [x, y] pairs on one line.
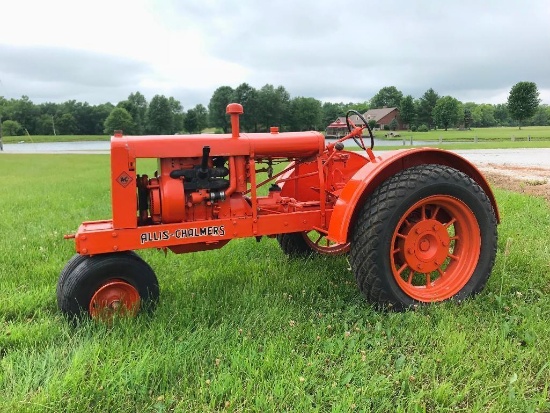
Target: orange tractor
[[419, 225]]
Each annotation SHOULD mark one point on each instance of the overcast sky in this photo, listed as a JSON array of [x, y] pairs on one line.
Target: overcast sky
[[102, 50]]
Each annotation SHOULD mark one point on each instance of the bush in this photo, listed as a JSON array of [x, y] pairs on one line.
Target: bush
[[423, 128], [413, 128], [372, 123], [11, 128], [386, 127]]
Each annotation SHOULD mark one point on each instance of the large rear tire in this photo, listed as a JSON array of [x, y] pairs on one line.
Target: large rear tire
[[107, 285], [427, 234]]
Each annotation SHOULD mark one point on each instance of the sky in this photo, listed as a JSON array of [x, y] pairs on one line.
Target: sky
[[338, 51]]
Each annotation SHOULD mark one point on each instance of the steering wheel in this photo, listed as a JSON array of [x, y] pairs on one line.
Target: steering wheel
[[351, 126]]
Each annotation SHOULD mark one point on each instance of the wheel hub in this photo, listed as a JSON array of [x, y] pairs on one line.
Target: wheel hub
[[114, 297], [427, 245]]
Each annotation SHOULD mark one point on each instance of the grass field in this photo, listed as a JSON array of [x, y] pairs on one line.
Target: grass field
[[246, 329], [482, 134], [58, 138]]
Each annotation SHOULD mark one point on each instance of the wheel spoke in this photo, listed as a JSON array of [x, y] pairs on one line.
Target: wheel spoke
[[451, 222], [399, 235], [453, 257], [435, 212], [318, 239], [403, 268], [411, 275], [428, 280], [423, 212]]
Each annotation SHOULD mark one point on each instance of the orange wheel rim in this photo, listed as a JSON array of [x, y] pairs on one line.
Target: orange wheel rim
[[319, 242], [436, 247], [115, 297]]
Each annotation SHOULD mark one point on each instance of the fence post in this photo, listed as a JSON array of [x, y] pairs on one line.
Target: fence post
[[440, 140], [528, 138], [411, 140], [403, 141], [513, 138], [475, 139]]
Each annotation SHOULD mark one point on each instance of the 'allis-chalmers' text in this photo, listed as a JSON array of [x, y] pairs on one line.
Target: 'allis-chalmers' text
[[156, 236]]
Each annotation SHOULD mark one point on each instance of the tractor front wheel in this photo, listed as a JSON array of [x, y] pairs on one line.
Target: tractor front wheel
[[105, 286], [427, 234]]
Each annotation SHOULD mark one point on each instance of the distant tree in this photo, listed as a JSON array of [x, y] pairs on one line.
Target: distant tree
[[218, 103], [191, 122], [523, 101], [99, 115], [159, 118], [542, 116], [202, 117], [45, 125], [394, 124], [502, 116], [467, 118], [25, 112], [139, 109], [273, 106], [387, 96], [305, 114], [119, 119], [136, 106], [330, 112], [407, 111], [484, 115], [247, 96], [66, 124], [360, 107], [11, 128], [475, 115], [447, 112], [177, 114], [426, 105]]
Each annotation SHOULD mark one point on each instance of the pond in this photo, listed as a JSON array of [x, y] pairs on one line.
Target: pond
[[104, 146]]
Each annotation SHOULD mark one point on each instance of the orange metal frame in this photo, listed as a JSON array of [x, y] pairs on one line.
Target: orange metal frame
[[320, 189]]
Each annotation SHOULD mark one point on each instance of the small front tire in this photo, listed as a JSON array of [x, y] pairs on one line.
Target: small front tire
[[104, 286]]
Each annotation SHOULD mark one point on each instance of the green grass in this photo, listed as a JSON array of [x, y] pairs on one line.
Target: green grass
[[237, 333], [482, 134], [58, 138]]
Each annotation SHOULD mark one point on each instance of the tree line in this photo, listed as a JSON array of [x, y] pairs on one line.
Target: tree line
[[264, 107]]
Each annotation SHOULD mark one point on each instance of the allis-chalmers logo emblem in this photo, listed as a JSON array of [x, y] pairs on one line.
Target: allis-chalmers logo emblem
[[124, 179]]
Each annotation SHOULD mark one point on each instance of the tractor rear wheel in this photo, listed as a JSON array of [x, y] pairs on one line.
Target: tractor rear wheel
[[426, 234], [105, 286], [300, 244]]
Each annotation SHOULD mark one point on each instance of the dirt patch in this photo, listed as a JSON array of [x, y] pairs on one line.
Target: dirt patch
[[528, 180]]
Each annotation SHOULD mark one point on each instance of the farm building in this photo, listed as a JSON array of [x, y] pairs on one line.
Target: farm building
[[382, 117], [337, 129]]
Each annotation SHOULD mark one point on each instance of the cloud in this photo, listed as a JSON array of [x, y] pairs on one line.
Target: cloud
[[321, 48], [50, 73], [470, 49]]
